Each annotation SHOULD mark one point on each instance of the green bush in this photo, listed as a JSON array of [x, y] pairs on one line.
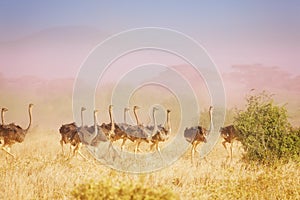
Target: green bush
[[106, 189], [265, 132]]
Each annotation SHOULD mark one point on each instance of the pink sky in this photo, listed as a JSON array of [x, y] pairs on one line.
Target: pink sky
[[58, 53]]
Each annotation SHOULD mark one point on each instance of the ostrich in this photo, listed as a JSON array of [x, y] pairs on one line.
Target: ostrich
[[123, 126], [154, 127], [121, 130], [108, 133], [115, 131], [197, 134], [69, 134], [161, 133], [111, 133], [109, 129], [12, 133], [87, 135], [105, 131], [102, 133], [229, 134], [138, 133]]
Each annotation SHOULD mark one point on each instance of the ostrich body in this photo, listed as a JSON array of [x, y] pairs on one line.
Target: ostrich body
[[12, 133], [229, 134], [161, 133], [197, 134], [69, 134]]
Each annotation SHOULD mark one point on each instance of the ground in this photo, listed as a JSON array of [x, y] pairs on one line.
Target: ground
[[41, 172]]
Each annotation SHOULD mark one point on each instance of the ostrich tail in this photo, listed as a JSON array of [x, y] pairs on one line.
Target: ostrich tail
[[20, 137], [61, 129]]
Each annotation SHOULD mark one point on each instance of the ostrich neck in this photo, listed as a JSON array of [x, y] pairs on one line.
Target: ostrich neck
[[2, 117], [168, 122], [125, 121], [111, 120], [95, 126], [154, 119], [30, 119], [81, 118], [211, 122], [136, 117]]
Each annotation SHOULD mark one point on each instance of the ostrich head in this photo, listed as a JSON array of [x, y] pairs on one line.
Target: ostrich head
[[136, 107], [96, 111], [4, 109], [126, 109], [83, 109], [168, 111], [155, 108]]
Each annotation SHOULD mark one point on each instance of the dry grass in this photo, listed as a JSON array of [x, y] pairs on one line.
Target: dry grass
[[40, 172]]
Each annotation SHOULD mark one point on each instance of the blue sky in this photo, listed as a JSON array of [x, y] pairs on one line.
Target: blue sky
[[19, 18]]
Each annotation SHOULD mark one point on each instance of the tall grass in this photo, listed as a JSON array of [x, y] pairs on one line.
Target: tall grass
[[40, 172]]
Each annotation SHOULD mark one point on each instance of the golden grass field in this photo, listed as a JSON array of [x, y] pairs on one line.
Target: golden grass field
[[41, 172]]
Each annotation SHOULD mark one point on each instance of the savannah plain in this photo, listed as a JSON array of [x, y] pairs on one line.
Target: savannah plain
[[40, 171]]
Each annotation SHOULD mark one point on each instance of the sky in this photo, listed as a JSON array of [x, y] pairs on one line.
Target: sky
[[254, 44], [52, 39]]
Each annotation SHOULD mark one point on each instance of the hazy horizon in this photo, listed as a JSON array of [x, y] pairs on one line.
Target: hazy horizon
[[254, 44]]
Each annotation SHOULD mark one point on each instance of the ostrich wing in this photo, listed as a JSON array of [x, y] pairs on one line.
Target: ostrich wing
[[11, 128], [190, 134], [64, 129], [123, 126], [85, 134], [101, 137], [135, 132]]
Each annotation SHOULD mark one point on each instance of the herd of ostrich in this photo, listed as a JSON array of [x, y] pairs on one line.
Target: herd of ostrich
[[110, 132]]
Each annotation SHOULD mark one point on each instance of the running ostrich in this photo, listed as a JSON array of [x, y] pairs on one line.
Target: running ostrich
[[197, 134], [161, 133], [88, 134], [229, 134], [114, 131], [105, 131], [69, 134], [138, 133], [12, 133], [121, 130], [123, 126], [108, 133]]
